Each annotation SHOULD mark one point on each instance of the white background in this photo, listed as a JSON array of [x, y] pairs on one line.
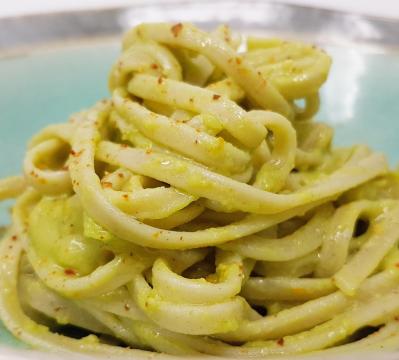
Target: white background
[[384, 8]]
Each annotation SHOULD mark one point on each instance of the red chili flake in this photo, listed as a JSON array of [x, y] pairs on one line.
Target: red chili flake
[[106, 184], [70, 272], [238, 60], [396, 318], [14, 238], [127, 307], [120, 175], [175, 29], [160, 80], [125, 196], [124, 146], [76, 154], [154, 66], [280, 342], [216, 97]]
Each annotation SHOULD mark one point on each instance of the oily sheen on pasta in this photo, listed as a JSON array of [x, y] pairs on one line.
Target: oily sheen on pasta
[[201, 210]]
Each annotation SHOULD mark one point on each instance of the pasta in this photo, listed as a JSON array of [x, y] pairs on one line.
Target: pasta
[[202, 210]]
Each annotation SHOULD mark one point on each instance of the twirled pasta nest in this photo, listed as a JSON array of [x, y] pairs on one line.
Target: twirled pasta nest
[[202, 210]]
